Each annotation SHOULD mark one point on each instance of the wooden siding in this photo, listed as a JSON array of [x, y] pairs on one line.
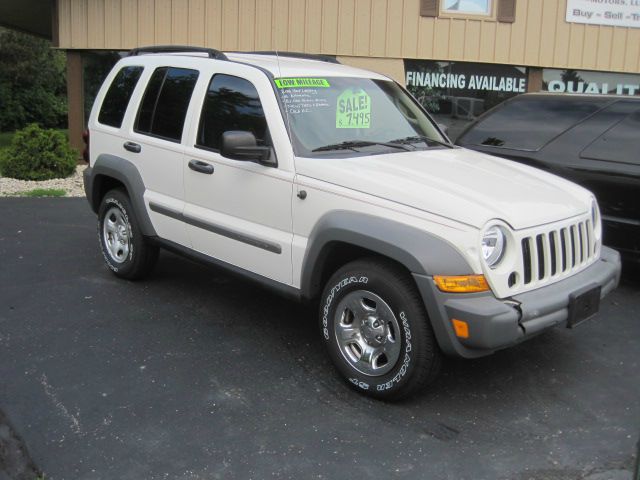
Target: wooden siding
[[354, 28]]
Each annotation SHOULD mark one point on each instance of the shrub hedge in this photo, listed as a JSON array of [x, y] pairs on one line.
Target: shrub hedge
[[38, 154]]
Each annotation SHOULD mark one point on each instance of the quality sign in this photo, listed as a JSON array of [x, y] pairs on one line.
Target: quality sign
[[615, 13]]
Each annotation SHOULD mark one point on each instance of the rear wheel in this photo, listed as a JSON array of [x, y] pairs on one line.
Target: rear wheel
[[377, 331], [125, 250]]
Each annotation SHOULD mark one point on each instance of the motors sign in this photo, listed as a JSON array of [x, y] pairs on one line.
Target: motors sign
[[615, 13]]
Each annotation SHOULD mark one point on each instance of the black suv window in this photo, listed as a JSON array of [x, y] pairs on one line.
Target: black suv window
[[618, 144], [231, 103], [117, 98], [165, 103], [529, 123]]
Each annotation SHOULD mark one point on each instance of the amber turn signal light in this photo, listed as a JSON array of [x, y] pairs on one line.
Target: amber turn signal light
[[461, 328], [461, 283]]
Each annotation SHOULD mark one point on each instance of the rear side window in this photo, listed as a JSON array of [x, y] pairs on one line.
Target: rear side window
[[618, 144], [165, 103], [148, 105], [231, 103], [529, 123], [117, 98]]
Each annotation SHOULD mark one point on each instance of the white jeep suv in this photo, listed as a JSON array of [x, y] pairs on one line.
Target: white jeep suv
[[332, 184]]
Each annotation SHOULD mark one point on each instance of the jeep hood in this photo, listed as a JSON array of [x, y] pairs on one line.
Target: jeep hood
[[459, 184]]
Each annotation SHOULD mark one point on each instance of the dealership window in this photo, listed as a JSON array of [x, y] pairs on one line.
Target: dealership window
[[455, 93], [472, 7], [500, 10], [588, 82]]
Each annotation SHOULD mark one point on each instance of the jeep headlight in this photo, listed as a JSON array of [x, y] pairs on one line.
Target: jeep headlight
[[596, 224], [494, 243], [595, 213]]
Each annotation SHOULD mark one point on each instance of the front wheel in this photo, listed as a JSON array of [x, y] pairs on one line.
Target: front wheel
[[376, 330]]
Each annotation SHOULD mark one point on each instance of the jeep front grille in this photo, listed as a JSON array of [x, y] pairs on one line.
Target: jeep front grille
[[557, 251], [547, 254]]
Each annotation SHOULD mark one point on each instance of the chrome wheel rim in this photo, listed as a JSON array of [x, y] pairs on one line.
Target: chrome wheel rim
[[367, 333], [116, 234]]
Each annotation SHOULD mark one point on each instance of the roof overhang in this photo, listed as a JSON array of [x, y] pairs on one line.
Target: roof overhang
[[29, 16]]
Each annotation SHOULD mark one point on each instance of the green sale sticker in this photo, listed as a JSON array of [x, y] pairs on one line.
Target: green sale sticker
[[353, 109], [302, 82]]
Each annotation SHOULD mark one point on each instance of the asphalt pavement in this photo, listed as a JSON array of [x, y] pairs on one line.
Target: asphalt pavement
[[194, 374]]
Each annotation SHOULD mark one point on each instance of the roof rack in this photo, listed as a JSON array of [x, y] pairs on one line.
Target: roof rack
[[212, 53], [306, 56]]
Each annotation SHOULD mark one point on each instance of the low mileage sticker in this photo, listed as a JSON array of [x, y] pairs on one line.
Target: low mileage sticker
[[301, 82], [353, 109]]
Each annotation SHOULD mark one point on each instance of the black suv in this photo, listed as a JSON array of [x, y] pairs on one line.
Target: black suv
[[591, 140]]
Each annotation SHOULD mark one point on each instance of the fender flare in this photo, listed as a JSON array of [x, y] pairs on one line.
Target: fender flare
[[417, 250], [126, 172]]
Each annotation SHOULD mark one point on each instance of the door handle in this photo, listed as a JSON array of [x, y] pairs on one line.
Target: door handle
[[201, 167], [132, 147]]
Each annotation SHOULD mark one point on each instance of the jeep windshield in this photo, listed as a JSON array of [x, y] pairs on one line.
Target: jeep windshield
[[348, 116]]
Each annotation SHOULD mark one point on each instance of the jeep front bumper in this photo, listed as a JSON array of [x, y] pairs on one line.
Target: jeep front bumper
[[496, 324]]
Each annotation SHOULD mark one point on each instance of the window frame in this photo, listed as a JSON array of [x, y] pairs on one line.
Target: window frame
[[153, 114], [129, 100], [201, 111], [490, 15]]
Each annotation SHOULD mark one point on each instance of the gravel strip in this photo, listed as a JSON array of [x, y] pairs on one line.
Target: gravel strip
[[10, 187]]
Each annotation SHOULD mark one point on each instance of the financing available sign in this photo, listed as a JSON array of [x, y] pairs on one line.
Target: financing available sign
[[616, 13], [462, 90], [470, 78]]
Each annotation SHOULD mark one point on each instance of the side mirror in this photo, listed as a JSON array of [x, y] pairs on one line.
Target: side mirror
[[241, 145]]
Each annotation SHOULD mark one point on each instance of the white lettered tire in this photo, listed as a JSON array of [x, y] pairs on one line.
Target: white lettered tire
[[125, 250], [377, 331]]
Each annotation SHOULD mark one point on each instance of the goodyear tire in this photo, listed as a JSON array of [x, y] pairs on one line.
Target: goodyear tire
[[376, 330], [125, 250]]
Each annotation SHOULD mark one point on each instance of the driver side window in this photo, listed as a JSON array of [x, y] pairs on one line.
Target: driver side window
[[231, 103]]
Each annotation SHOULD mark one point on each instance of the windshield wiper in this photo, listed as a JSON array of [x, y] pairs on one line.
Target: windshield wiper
[[419, 138], [353, 144]]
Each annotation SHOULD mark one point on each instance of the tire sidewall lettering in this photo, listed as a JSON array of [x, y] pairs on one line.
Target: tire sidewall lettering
[[369, 384], [397, 378], [332, 293], [110, 201], [359, 383]]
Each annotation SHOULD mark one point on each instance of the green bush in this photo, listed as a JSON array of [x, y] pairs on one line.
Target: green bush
[[38, 154]]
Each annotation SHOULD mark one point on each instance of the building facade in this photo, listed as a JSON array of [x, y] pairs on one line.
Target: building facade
[[458, 57]]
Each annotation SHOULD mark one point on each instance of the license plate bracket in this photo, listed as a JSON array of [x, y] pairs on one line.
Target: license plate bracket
[[583, 304]]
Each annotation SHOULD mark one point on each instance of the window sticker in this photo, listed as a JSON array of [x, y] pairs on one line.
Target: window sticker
[[353, 109], [303, 100], [302, 82]]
